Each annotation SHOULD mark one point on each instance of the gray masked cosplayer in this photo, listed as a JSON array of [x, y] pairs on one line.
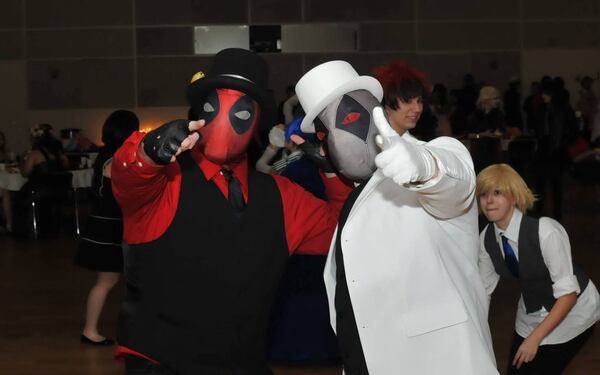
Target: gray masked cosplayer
[[404, 291]]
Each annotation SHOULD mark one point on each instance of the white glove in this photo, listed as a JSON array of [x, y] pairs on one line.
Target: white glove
[[402, 161], [277, 136]]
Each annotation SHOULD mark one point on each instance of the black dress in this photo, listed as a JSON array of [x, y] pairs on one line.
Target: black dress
[[100, 241]]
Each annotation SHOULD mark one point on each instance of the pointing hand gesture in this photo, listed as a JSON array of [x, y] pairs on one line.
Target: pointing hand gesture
[[163, 144], [401, 160]]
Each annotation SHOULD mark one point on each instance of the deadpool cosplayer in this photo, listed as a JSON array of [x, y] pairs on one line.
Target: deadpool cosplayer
[[208, 238]]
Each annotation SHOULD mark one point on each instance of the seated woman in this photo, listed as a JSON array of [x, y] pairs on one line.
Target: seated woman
[[43, 166], [46, 155]]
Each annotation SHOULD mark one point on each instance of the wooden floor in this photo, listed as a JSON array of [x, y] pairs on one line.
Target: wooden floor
[[43, 295]]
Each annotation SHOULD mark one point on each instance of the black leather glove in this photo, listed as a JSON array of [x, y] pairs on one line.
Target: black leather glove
[[313, 152], [162, 143]]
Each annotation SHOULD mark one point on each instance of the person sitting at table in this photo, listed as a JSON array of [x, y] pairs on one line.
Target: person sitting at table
[[45, 158], [46, 155], [100, 242]]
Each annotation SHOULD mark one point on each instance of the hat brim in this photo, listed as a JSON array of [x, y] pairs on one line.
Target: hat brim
[[368, 83], [198, 90]]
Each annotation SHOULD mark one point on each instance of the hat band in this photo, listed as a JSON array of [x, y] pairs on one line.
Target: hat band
[[237, 76]]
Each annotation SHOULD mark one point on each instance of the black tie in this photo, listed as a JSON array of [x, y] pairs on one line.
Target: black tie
[[236, 197]]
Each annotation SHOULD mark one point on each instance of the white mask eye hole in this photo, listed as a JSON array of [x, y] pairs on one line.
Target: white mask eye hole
[[208, 107], [242, 115]]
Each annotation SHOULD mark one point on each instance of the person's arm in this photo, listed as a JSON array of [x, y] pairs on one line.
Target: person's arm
[[33, 158], [556, 251], [276, 141], [441, 171], [310, 221], [106, 168], [146, 179], [262, 164], [487, 272], [529, 347], [137, 182], [288, 108]]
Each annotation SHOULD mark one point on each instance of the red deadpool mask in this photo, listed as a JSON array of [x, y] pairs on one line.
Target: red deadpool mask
[[231, 119]]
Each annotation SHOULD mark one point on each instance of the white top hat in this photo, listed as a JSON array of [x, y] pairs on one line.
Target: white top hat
[[326, 82]]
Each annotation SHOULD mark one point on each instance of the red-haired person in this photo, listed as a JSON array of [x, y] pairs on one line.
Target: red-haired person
[[405, 90]]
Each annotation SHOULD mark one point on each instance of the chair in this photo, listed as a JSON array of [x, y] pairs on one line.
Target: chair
[[39, 206]]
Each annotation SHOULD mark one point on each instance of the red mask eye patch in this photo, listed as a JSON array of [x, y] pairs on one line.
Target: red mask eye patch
[[350, 118]]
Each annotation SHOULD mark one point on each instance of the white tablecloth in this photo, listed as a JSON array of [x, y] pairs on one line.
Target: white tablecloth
[[11, 181], [82, 178]]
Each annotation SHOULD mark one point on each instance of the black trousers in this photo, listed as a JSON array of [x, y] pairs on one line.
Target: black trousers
[[550, 359], [141, 366]]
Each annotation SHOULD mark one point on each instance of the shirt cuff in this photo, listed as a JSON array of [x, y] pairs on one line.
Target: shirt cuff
[[432, 181], [132, 158], [565, 286]]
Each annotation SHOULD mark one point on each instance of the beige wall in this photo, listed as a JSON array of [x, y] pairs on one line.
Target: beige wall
[[71, 62]]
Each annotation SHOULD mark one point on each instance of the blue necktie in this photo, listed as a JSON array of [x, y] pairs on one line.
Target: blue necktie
[[509, 257]]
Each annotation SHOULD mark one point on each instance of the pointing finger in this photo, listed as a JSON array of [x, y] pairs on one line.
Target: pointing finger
[[382, 123]]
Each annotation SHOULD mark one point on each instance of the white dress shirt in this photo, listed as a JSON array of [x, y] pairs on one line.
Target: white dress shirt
[[556, 251]]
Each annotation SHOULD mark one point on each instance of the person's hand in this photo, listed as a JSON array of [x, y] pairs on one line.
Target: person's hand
[[526, 352], [310, 146], [163, 144], [277, 136], [400, 160]]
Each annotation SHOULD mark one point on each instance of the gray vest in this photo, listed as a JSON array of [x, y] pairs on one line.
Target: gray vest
[[534, 278]]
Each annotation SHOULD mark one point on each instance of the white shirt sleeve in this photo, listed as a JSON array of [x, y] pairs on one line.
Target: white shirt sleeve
[[452, 192], [556, 251], [488, 274], [288, 108]]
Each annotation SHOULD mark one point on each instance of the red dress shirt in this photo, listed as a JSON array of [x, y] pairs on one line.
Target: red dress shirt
[[149, 194]]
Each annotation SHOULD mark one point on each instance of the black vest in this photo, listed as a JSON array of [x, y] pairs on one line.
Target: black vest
[[346, 329], [199, 297], [534, 278]]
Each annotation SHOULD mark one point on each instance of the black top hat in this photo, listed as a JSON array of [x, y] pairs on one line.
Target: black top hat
[[238, 69]]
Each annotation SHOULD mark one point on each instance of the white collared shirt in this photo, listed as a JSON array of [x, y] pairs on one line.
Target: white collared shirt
[[556, 251]]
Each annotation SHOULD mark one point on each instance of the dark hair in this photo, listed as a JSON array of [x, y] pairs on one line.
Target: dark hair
[[46, 142], [118, 127], [401, 81], [192, 115]]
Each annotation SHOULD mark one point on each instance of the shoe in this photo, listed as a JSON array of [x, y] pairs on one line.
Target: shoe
[[105, 342]]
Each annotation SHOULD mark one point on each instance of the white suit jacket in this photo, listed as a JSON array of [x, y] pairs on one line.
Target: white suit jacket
[[410, 257]]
